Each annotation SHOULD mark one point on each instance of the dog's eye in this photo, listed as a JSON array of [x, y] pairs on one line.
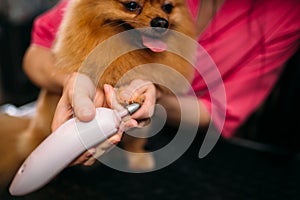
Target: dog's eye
[[132, 6], [167, 8]]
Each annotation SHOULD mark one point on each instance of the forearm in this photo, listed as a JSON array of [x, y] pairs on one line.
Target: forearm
[[38, 64], [185, 109]]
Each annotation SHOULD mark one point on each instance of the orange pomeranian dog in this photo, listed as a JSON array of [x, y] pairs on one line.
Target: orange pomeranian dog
[[113, 42]]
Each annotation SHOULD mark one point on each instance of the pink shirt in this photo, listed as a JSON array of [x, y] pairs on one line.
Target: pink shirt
[[46, 25], [248, 41]]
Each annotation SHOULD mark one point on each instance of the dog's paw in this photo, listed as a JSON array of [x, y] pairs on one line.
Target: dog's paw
[[125, 98], [139, 99], [140, 161]]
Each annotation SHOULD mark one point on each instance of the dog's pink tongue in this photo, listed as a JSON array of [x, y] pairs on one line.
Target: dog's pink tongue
[[153, 44]]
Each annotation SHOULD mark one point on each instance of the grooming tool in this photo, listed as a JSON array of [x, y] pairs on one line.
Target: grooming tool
[[64, 145]]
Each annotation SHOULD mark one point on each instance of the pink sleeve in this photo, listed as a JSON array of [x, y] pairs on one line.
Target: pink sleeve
[[249, 43], [193, 6], [46, 25]]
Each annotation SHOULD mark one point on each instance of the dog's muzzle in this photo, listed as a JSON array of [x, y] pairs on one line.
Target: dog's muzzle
[[159, 24]]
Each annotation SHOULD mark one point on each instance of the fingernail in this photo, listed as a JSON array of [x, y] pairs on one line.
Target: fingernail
[[115, 141], [106, 88], [133, 124], [87, 112], [88, 155], [91, 152]]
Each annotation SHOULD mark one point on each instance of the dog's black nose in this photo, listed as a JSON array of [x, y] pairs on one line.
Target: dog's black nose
[[160, 23]]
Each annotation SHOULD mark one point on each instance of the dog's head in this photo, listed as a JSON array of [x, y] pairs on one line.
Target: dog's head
[[89, 28], [158, 16]]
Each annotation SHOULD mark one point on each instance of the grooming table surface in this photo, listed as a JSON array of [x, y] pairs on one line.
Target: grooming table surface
[[229, 172]]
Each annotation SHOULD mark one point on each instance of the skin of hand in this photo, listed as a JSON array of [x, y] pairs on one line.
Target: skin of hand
[[152, 96], [170, 102], [38, 64], [77, 99], [80, 98], [135, 89]]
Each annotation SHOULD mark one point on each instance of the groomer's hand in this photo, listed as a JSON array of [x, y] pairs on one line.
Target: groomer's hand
[[80, 98], [77, 98], [137, 88]]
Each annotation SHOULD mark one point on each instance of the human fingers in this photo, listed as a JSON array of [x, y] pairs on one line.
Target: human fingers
[[89, 157], [99, 99], [111, 98], [63, 113], [103, 148], [82, 97], [131, 123], [77, 98], [137, 90], [84, 157], [147, 108]]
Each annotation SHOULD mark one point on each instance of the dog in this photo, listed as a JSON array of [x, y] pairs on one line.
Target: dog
[[92, 40]]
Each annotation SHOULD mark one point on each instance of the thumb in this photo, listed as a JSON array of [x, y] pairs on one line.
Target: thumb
[[82, 100]]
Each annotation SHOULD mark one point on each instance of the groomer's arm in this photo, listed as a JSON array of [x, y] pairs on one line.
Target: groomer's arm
[[38, 64], [187, 108]]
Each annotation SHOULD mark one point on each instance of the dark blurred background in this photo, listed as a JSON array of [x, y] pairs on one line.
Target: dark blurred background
[[262, 162], [16, 17]]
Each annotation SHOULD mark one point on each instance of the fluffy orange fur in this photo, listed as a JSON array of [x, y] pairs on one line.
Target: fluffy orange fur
[[88, 23]]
